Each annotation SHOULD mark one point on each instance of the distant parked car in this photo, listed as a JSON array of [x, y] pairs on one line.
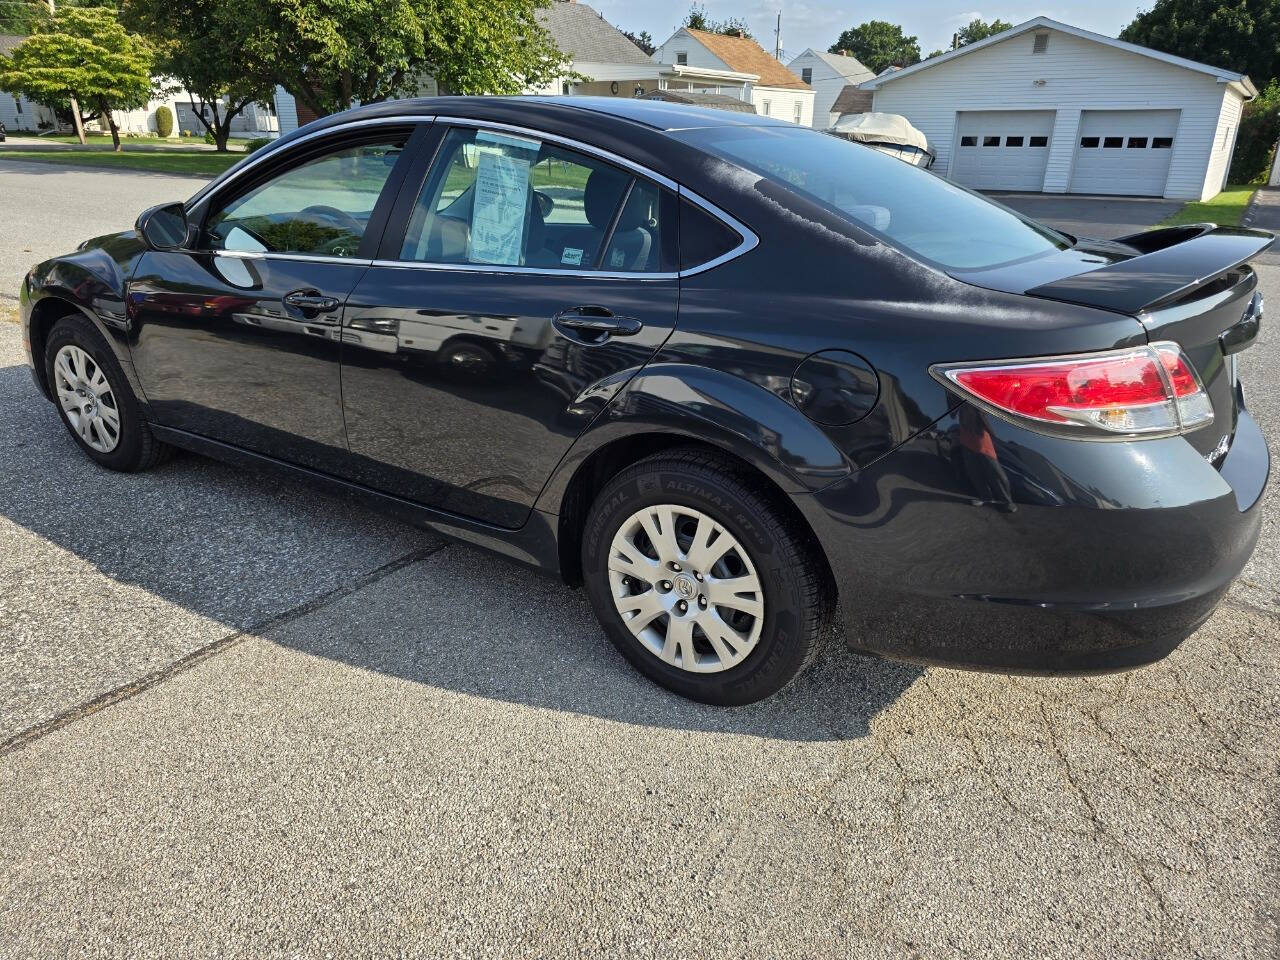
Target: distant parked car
[[722, 369]]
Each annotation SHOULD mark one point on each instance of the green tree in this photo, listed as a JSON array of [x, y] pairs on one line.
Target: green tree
[[879, 45], [697, 19], [642, 40], [331, 54], [1239, 35], [22, 16], [1256, 139], [196, 43], [82, 53], [978, 29], [935, 53]]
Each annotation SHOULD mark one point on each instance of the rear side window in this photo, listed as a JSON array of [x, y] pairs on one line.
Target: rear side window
[[703, 237], [495, 198], [910, 208]]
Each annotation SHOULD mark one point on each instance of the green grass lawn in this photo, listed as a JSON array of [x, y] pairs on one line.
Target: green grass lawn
[[1225, 209], [195, 163]]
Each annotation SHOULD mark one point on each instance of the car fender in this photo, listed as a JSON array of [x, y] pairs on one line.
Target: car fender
[[714, 407]]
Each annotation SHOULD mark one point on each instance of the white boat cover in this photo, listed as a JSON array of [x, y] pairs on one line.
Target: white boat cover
[[880, 128]]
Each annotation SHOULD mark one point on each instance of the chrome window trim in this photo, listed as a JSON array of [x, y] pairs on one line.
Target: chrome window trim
[[253, 161], [749, 238], [277, 255]]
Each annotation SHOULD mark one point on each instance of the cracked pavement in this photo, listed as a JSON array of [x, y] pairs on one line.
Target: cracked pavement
[[247, 719]]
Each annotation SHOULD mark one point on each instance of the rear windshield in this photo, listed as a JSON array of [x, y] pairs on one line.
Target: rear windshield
[[915, 210]]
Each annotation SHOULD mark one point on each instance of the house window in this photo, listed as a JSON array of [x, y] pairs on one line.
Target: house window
[[991, 141], [1013, 141], [968, 141], [682, 58], [796, 112], [1088, 142], [1039, 141], [1040, 44], [767, 107], [1161, 143], [806, 74], [18, 103], [1112, 143], [1137, 143]]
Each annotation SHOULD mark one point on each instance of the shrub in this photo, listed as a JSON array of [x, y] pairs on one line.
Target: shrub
[[164, 121], [209, 138], [1256, 141], [257, 143]]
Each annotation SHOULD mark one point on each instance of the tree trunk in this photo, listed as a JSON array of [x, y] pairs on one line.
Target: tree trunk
[[77, 122], [220, 135], [104, 110]]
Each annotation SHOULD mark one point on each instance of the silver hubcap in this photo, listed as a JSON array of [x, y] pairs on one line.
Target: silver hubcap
[[86, 398], [686, 588]]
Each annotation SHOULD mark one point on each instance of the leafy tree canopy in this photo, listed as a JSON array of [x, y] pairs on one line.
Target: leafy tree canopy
[[196, 43], [1239, 35], [642, 40], [978, 29], [83, 53], [697, 19], [332, 53], [879, 45]]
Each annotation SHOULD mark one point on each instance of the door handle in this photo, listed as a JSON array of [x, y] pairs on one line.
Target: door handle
[[599, 322], [311, 301]]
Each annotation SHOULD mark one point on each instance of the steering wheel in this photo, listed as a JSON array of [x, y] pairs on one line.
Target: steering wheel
[[339, 217]]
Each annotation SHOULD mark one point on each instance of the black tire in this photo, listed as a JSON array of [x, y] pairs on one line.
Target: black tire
[[136, 447], [791, 573]]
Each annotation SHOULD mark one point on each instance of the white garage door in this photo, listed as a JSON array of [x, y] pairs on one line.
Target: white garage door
[[1124, 151], [1002, 149]]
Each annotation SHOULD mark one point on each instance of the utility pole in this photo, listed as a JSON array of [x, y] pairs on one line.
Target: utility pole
[[777, 37], [75, 104]]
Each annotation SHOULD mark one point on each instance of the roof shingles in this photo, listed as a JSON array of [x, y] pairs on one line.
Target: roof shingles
[[586, 37], [744, 55]]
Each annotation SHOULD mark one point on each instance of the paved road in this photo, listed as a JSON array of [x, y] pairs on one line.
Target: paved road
[[46, 210], [1105, 217], [252, 719]]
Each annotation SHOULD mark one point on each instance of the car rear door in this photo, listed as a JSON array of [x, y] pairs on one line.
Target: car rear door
[[237, 339], [523, 279]]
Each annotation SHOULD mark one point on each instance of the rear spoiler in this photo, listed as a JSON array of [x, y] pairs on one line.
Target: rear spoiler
[[1171, 263]]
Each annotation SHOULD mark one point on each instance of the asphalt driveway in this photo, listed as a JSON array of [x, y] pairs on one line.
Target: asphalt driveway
[[239, 717], [1102, 217]]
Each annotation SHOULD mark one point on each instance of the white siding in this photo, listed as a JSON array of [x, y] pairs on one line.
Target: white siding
[[28, 118], [782, 103], [826, 84], [1077, 74], [1224, 143], [699, 56], [286, 111]]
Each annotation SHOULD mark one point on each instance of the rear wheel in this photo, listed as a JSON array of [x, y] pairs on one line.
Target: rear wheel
[[700, 580], [94, 400]]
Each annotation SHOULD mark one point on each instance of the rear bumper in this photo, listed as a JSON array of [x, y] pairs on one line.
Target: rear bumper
[[1053, 556]]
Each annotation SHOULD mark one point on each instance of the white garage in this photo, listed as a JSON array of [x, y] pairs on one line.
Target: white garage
[[1124, 152], [1002, 149], [1048, 107]]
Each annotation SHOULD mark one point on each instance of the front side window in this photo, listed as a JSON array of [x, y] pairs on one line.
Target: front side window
[[497, 198], [912, 209], [320, 207]]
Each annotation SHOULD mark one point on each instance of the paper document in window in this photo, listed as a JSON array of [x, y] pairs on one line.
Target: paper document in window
[[499, 212]]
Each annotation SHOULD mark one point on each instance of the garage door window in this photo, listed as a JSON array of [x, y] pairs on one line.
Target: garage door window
[[1088, 143], [907, 207], [1013, 141], [1112, 143], [968, 141], [1137, 143], [991, 141], [1039, 141], [1161, 143]]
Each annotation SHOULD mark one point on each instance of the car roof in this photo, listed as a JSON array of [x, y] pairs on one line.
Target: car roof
[[655, 114]]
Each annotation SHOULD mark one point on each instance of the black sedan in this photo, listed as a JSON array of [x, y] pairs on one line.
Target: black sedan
[[730, 374]]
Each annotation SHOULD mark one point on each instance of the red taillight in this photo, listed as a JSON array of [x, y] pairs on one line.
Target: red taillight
[[1138, 391]]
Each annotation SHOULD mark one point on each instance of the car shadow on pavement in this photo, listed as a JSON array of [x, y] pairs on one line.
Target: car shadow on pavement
[[255, 554]]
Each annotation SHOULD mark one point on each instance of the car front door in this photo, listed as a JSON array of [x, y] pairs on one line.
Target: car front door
[[531, 280], [238, 339]]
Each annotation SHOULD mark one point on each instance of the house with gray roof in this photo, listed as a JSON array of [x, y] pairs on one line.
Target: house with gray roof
[[834, 78]]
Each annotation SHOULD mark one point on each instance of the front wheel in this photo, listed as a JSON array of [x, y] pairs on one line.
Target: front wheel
[[701, 580], [94, 400]]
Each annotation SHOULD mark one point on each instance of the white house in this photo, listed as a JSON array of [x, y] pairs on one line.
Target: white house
[[775, 91], [1045, 106], [17, 112], [829, 74]]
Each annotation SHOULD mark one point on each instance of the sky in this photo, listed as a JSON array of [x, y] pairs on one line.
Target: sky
[[815, 23]]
